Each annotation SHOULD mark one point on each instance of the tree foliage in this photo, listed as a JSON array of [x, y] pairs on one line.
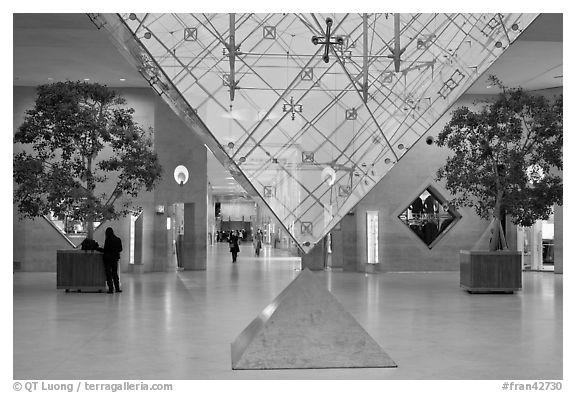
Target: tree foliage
[[64, 170], [506, 156]]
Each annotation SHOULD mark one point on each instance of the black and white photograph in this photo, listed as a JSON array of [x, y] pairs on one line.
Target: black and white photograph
[[266, 196]]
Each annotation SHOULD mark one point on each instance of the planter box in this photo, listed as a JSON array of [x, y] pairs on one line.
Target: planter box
[[80, 270], [491, 271]]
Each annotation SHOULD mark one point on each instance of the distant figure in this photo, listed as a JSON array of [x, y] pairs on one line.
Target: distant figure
[[234, 248], [112, 249], [258, 242], [430, 205], [417, 207]]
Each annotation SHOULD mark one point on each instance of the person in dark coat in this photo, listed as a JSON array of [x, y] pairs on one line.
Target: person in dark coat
[[234, 247], [112, 249], [258, 242], [417, 207]]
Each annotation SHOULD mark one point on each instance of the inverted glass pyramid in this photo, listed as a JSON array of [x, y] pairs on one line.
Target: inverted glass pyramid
[[308, 129]]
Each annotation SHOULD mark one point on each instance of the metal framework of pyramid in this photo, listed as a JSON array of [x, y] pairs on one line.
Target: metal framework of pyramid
[[307, 128]]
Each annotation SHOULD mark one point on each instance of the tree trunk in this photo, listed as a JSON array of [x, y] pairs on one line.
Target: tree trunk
[[90, 230], [90, 188], [498, 238]]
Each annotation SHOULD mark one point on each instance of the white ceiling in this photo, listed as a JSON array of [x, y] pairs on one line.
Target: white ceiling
[[57, 47]]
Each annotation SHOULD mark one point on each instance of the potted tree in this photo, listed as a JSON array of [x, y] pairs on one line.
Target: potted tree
[[507, 156], [83, 157]]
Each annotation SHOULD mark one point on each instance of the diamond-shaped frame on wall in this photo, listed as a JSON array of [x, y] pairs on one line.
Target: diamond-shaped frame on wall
[[429, 216]]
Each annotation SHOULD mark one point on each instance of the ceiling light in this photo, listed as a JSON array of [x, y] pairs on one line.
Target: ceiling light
[[122, 79], [86, 79], [50, 79]]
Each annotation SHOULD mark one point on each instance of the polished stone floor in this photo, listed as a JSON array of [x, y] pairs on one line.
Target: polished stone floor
[[179, 325]]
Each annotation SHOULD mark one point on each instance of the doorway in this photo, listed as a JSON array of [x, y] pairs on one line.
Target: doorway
[[537, 245], [175, 229]]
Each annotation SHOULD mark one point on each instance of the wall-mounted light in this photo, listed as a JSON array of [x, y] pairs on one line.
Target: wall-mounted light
[[181, 174]]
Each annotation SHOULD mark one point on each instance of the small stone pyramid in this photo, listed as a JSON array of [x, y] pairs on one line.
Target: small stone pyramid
[[306, 327]]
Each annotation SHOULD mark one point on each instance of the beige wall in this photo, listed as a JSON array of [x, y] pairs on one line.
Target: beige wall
[[35, 242], [399, 248]]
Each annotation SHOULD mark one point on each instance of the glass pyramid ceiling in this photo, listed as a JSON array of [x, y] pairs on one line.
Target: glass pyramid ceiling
[[305, 127]]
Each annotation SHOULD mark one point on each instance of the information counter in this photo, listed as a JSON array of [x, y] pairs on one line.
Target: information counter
[[80, 271]]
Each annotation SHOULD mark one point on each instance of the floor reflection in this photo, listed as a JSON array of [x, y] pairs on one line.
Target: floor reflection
[[179, 324]]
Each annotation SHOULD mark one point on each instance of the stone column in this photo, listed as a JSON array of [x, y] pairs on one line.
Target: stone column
[[558, 239]]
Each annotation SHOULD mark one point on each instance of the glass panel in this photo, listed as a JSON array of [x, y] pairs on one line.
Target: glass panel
[[429, 216], [372, 236], [267, 98]]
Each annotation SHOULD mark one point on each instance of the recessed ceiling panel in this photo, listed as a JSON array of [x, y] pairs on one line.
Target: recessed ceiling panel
[[289, 98]]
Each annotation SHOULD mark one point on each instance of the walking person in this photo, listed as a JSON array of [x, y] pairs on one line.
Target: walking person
[[112, 249], [234, 247], [258, 242]]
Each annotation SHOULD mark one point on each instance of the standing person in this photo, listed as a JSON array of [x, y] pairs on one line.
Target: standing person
[[258, 242], [234, 248], [112, 249]]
